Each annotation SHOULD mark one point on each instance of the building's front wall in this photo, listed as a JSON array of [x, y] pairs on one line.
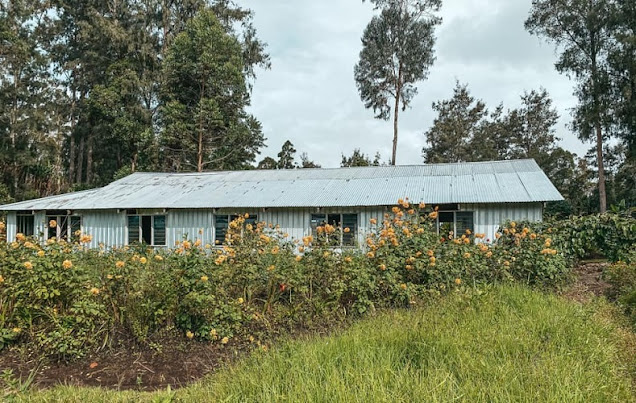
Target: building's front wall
[[109, 227]]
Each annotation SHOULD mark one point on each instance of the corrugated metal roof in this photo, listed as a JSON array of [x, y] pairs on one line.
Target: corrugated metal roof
[[474, 182]]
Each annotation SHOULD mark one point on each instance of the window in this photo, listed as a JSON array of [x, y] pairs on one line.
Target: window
[[345, 221], [456, 221], [25, 224], [148, 229], [222, 222], [65, 226]]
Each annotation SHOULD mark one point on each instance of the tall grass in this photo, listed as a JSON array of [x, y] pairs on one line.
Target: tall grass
[[504, 344]]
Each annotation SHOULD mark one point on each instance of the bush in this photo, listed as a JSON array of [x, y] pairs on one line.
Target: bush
[[68, 300], [622, 279]]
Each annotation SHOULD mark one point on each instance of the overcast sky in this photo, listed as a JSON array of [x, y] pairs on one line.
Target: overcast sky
[[309, 96]]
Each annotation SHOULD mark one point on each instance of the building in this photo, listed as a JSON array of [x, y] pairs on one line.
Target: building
[[163, 208]]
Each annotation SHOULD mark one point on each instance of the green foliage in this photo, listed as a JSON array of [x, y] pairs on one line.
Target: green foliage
[[397, 52], [622, 278], [504, 343], [67, 300]]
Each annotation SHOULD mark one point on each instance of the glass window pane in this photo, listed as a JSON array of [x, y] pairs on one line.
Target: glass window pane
[[446, 223], [464, 222], [63, 224], [220, 228], [316, 221], [133, 229], [159, 224], [76, 227], [146, 229], [349, 221]]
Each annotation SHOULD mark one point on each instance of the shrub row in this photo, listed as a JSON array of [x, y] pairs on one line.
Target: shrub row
[[64, 300]]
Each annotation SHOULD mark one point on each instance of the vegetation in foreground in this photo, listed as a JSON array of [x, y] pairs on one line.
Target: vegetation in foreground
[[503, 343]]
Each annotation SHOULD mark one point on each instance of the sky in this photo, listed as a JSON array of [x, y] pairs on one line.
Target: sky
[[309, 95]]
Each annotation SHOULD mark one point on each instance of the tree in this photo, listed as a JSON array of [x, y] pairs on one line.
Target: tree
[[27, 150], [305, 162], [286, 156], [204, 99], [267, 163], [582, 30], [359, 159], [622, 64], [457, 123], [397, 52]]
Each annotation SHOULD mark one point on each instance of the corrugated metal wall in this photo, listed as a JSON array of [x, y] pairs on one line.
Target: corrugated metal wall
[[109, 226], [12, 226], [488, 217], [105, 226]]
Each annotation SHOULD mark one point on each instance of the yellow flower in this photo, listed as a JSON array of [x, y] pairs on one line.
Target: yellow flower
[[189, 334], [213, 333], [2, 226], [466, 255], [86, 239], [533, 236], [94, 290], [458, 281], [370, 254], [41, 253], [271, 268], [143, 260], [1, 279], [432, 259], [420, 230], [403, 286], [28, 265], [197, 243], [158, 258], [225, 340], [16, 330], [382, 267], [119, 264], [489, 254], [275, 250], [347, 229], [20, 237], [240, 300], [422, 205], [299, 258], [109, 276], [468, 232], [373, 221], [67, 264], [187, 244], [325, 254], [204, 278], [347, 259], [466, 241], [408, 267], [52, 223], [433, 214], [506, 263], [497, 235], [513, 224]]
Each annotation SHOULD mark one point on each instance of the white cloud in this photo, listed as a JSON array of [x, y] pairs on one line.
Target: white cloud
[[309, 96]]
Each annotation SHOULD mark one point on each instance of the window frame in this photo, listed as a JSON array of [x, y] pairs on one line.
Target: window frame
[[59, 218], [140, 239], [454, 212], [341, 244], [252, 219]]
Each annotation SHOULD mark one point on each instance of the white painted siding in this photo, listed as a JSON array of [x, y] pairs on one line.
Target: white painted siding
[[110, 227], [105, 226]]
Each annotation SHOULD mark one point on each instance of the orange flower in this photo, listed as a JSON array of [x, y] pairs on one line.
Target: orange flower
[[143, 260], [382, 267], [299, 258], [52, 223], [347, 229], [119, 264], [204, 279], [94, 290], [347, 259], [458, 281], [373, 221], [422, 205], [28, 265], [433, 214], [67, 264], [467, 255], [370, 255]]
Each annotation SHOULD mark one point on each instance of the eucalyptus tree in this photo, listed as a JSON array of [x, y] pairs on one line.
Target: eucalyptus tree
[[359, 159], [582, 31], [397, 52]]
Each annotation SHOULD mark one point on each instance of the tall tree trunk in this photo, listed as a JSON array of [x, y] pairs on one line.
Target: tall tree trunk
[[200, 142], [396, 111], [601, 168], [80, 161], [71, 164], [89, 157]]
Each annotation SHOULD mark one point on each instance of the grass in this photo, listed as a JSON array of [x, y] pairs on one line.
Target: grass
[[505, 344]]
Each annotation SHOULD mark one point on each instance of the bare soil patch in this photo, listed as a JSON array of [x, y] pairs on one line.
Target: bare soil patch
[[588, 282]]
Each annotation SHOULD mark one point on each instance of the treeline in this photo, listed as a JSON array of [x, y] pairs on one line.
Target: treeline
[[91, 90]]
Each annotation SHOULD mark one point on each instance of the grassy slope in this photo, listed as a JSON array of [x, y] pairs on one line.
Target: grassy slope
[[509, 344]]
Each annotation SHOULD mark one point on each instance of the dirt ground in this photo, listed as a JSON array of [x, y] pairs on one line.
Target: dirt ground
[[181, 361]]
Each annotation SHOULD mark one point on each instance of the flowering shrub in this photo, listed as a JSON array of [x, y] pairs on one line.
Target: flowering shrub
[[66, 300]]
